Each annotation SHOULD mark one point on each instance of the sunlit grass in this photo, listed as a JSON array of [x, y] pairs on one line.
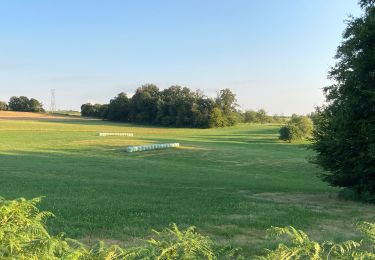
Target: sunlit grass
[[231, 183]]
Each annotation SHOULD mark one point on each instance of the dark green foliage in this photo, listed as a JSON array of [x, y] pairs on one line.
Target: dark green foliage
[[344, 137], [95, 110], [24, 104], [175, 106], [144, 104], [87, 109], [3, 106], [298, 128], [118, 108]]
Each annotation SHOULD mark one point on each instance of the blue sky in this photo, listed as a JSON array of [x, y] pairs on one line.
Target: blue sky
[[274, 54]]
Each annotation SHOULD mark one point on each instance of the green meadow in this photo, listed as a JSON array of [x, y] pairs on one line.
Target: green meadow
[[231, 183]]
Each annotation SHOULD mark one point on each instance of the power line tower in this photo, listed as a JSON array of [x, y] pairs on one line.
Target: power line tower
[[53, 101]]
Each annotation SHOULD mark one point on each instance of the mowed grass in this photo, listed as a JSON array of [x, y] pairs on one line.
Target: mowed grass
[[231, 183]]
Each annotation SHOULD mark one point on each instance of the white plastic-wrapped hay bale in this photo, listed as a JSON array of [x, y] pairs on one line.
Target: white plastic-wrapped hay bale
[[116, 134], [141, 148]]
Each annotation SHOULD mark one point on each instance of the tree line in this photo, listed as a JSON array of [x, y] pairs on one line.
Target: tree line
[[176, 106], [22, 104]]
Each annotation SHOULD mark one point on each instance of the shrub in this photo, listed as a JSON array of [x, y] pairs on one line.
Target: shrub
[[299, 127]]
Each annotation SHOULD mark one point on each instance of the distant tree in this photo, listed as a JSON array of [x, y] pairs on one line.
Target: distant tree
[[103, 111], [24, 104], [262, 116], [3, 106], [94, 110], [217, 118], [202, 111], [87, 110], [227, 102], [35, 106], [118, 109], [277, 119], [176, 106], [344, 136], [250, 116], [144, 104], [298, 128], [18, 103]]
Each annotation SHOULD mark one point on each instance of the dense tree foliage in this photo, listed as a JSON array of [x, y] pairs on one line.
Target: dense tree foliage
[[298, 128], [344, 136], [25, 104], [3, 106], [175, 106]]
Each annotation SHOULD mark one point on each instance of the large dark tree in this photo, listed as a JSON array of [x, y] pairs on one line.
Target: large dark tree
[[144, 104], [344, 136], [118, 108]]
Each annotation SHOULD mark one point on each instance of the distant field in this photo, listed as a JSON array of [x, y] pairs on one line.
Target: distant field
[[231, 183]]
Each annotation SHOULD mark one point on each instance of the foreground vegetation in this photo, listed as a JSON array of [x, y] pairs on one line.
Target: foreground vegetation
[[344, 135], [231, 183], [23, 235]]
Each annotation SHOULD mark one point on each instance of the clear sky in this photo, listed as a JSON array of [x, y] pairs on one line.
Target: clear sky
[[274, 54]]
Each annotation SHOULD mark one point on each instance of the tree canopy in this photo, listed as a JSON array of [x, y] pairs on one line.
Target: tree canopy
[[174, 106], [344, 136], [24, 104]]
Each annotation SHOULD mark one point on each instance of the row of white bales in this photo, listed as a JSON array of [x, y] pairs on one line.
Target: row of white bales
[[141, 148]]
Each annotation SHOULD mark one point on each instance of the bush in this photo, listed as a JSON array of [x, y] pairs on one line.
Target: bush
[[298, 128], [3, 106]]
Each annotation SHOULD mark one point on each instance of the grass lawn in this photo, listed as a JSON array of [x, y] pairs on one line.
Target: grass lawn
[[231, 183]]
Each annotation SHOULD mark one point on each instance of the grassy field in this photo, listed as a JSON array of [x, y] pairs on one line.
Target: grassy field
[[231, 183]]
